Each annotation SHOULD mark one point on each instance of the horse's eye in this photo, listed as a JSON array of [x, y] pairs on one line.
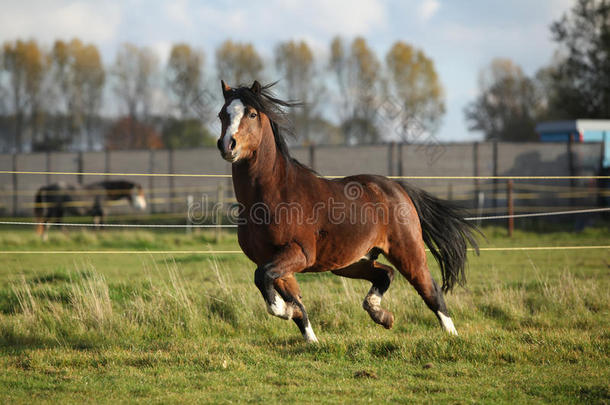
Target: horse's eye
[[253, 115]]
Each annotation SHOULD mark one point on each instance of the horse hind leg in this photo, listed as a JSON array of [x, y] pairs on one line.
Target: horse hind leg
[[412, 265], [381, 277]]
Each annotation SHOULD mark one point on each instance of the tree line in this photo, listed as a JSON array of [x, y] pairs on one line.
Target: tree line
[[575, 85], [65, 96]]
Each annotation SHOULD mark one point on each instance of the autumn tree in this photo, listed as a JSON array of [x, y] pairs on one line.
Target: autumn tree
[[135, 70], [294, 61], [414, 84], [91, 78], [79, 76], [338, 67], [238, 63], [184, 76], [579, 84], [507, 104], [24, 64], [357, 74]]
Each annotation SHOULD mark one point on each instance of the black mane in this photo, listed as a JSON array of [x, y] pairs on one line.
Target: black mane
[[274, 108]]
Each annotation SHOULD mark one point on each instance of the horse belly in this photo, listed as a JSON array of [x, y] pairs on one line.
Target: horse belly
[[345, 246]]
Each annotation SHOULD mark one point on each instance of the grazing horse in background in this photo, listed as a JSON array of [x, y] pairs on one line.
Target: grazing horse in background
[[293, 221], [52, 202]]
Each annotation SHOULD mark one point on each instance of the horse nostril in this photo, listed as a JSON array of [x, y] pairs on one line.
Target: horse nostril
[[232, 144], [219, 145]]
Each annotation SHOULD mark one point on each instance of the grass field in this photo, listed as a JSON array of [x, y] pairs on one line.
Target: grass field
[[534, 327]]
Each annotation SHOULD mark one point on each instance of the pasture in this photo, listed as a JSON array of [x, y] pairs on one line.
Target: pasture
[[534, 326]]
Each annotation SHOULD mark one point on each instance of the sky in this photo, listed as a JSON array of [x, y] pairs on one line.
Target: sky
[[460, 37]]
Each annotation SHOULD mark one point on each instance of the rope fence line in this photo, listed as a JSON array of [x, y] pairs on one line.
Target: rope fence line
[[481, 218], [221, 252], [182, 215], [328, 177], [91, 225], [538, 214], [458, 188], [85, 192]]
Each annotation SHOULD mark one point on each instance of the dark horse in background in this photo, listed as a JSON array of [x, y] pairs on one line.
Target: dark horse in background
[[54, 201], [293, 221]]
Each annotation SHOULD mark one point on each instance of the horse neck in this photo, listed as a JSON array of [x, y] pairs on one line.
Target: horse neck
[[261, 175]]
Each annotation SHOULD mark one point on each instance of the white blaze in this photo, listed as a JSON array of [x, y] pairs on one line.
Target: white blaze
[[236, 113], [447, 323], [138, 201]]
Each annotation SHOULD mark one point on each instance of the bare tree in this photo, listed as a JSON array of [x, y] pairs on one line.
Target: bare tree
[[358, 78], [184, 76], [238, 63], [134, 71], [295, 62]]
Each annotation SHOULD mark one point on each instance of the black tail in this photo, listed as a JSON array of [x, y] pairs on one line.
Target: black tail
[[446, 234]]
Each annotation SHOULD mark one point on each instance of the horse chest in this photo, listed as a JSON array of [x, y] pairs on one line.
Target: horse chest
[[260, 242]]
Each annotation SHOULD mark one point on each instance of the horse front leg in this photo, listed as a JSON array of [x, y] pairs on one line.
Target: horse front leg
[[279, 288], [289, 290]]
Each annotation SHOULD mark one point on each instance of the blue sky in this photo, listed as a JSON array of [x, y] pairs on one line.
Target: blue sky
[[461, 37]]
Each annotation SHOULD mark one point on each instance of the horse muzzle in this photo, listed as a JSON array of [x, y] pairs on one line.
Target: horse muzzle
[[229, 153]]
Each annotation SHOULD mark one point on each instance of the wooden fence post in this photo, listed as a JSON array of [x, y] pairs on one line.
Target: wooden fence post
[[171, 179], [79, 164], [48, 166], [495, 174], [15, 185], [391, 159], [510, 208], [151, 180], [219, 209], [475, 173], [312, 156], [571, 168], [189, 207], [400, 145], [106, 162]]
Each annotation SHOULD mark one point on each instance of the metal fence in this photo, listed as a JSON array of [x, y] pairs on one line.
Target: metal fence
[[170, 194]]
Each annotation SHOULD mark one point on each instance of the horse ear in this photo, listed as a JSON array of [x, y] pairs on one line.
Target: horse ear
[[225, 88], [256, 87]]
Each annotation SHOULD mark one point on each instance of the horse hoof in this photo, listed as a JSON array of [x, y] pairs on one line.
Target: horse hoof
[[387, 320]]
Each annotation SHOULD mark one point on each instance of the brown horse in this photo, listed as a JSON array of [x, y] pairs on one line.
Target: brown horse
[[294, 221], [53, 201]]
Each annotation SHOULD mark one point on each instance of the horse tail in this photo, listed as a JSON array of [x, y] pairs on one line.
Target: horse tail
[[446, 233]]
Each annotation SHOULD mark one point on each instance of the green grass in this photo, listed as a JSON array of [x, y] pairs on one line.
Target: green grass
[[534, 327]]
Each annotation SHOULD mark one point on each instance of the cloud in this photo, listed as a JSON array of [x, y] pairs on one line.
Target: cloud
[[427, 9], [292, 19], [47, 21]]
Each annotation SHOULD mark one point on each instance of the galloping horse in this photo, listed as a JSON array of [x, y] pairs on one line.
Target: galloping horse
[[55, 200], [293, 221]]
